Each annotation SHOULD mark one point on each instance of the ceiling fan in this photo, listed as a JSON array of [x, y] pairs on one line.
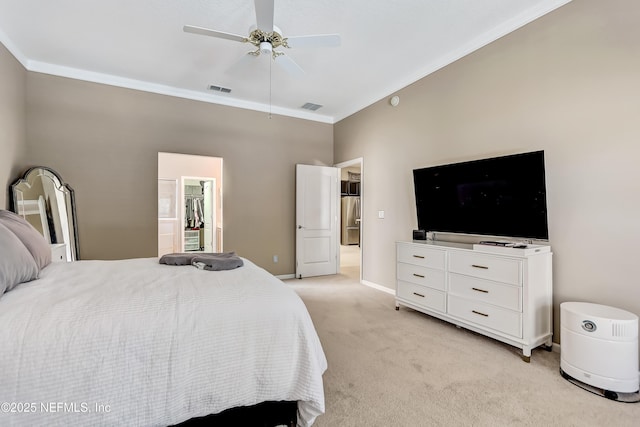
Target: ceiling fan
[[266, 37]]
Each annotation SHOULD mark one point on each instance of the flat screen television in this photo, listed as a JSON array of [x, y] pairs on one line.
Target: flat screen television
[[501, 196]]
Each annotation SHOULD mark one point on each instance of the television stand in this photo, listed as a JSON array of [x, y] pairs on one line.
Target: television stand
[[504, 293], [495, 243]]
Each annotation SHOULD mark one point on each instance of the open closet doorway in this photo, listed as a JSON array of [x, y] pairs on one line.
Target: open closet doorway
[[199, 214], [189, 203], [351, 196]]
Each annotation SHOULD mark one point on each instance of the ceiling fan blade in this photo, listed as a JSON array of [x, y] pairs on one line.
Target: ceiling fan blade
[[264, 15], [241, 66], [213, 33], [318, 40], [289, 65]]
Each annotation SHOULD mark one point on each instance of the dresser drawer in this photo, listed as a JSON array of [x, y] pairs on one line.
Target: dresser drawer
[[486, 267], [422, 296], [503, 295], [58, 252], [421, 255], [421, 276], [487, 315]]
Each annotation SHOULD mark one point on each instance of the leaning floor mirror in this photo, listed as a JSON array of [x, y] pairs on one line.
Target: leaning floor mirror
[[43, 199]]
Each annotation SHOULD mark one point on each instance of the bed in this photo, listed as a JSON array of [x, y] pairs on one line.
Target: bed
[[134, 342]]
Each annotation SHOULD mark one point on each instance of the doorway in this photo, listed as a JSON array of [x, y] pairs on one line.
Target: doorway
[[189, 203], [351, 197], [199, 214]]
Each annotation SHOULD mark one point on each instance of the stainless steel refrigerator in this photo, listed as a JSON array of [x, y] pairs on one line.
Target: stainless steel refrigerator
[[350, 233]]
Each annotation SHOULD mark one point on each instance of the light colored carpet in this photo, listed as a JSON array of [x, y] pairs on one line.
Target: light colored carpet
[[404, 368], [349, 256]]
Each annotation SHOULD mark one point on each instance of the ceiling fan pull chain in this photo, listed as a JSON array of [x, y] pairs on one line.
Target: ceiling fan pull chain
[[270, 61]]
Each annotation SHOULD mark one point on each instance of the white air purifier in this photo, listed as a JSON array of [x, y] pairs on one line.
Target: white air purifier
[[599, 349]]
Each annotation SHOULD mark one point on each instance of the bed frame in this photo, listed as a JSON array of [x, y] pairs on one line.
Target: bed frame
[[265, 414]]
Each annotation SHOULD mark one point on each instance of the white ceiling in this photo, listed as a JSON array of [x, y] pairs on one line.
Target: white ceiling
[[139, 44]]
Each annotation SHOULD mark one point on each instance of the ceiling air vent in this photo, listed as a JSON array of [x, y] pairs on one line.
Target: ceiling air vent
[[219, 89], [311, 106]]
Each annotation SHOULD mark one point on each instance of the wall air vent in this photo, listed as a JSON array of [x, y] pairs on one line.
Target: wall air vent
[[219, 89], [311, 106]]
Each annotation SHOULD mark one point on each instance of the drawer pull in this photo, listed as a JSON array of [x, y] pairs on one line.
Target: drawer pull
[[419, 256], [484, 267], [480, 290], [478, 313], [418, 295], [418, 275]]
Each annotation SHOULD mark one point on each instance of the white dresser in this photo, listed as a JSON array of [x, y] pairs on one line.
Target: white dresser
[[191, 240], [503, 293], [58, 252]]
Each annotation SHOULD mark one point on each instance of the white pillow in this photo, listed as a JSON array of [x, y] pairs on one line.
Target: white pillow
[[16, 263]]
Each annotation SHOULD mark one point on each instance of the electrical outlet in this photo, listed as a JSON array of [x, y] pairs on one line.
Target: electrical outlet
[[275, 258], [381, 214]]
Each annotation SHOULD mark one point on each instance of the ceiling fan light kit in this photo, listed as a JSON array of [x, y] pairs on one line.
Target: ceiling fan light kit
[[266, 48]]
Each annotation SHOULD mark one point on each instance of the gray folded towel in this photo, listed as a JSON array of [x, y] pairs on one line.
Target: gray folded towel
[[204, 260], [217, 262]]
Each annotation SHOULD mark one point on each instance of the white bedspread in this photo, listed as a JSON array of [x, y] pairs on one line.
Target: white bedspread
[[137, 343]]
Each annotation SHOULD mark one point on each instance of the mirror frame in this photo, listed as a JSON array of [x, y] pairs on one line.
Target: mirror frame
[[28, 178]]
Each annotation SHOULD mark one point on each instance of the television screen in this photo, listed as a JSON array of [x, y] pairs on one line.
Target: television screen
[[500, 196]]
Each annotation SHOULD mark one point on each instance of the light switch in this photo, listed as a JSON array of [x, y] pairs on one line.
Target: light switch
[[381, 214]]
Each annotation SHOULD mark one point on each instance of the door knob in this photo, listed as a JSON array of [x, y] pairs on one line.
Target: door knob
[[300, 227]]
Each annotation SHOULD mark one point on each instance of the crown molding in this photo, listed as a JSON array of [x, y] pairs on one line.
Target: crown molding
[[111, 80]]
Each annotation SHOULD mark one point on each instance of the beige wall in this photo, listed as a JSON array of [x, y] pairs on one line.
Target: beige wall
[[104, 141], [568, 84], [12, 122]]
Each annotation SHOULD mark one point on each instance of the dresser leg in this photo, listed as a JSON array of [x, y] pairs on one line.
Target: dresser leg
[[397, 307], [526, 359], [526, 354]]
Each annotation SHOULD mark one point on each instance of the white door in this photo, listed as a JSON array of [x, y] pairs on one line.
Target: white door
[[168, 225], [209, 215], [316, 220]]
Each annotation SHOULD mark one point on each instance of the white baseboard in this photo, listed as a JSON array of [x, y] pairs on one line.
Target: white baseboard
[[378, 287], [286, 276]]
